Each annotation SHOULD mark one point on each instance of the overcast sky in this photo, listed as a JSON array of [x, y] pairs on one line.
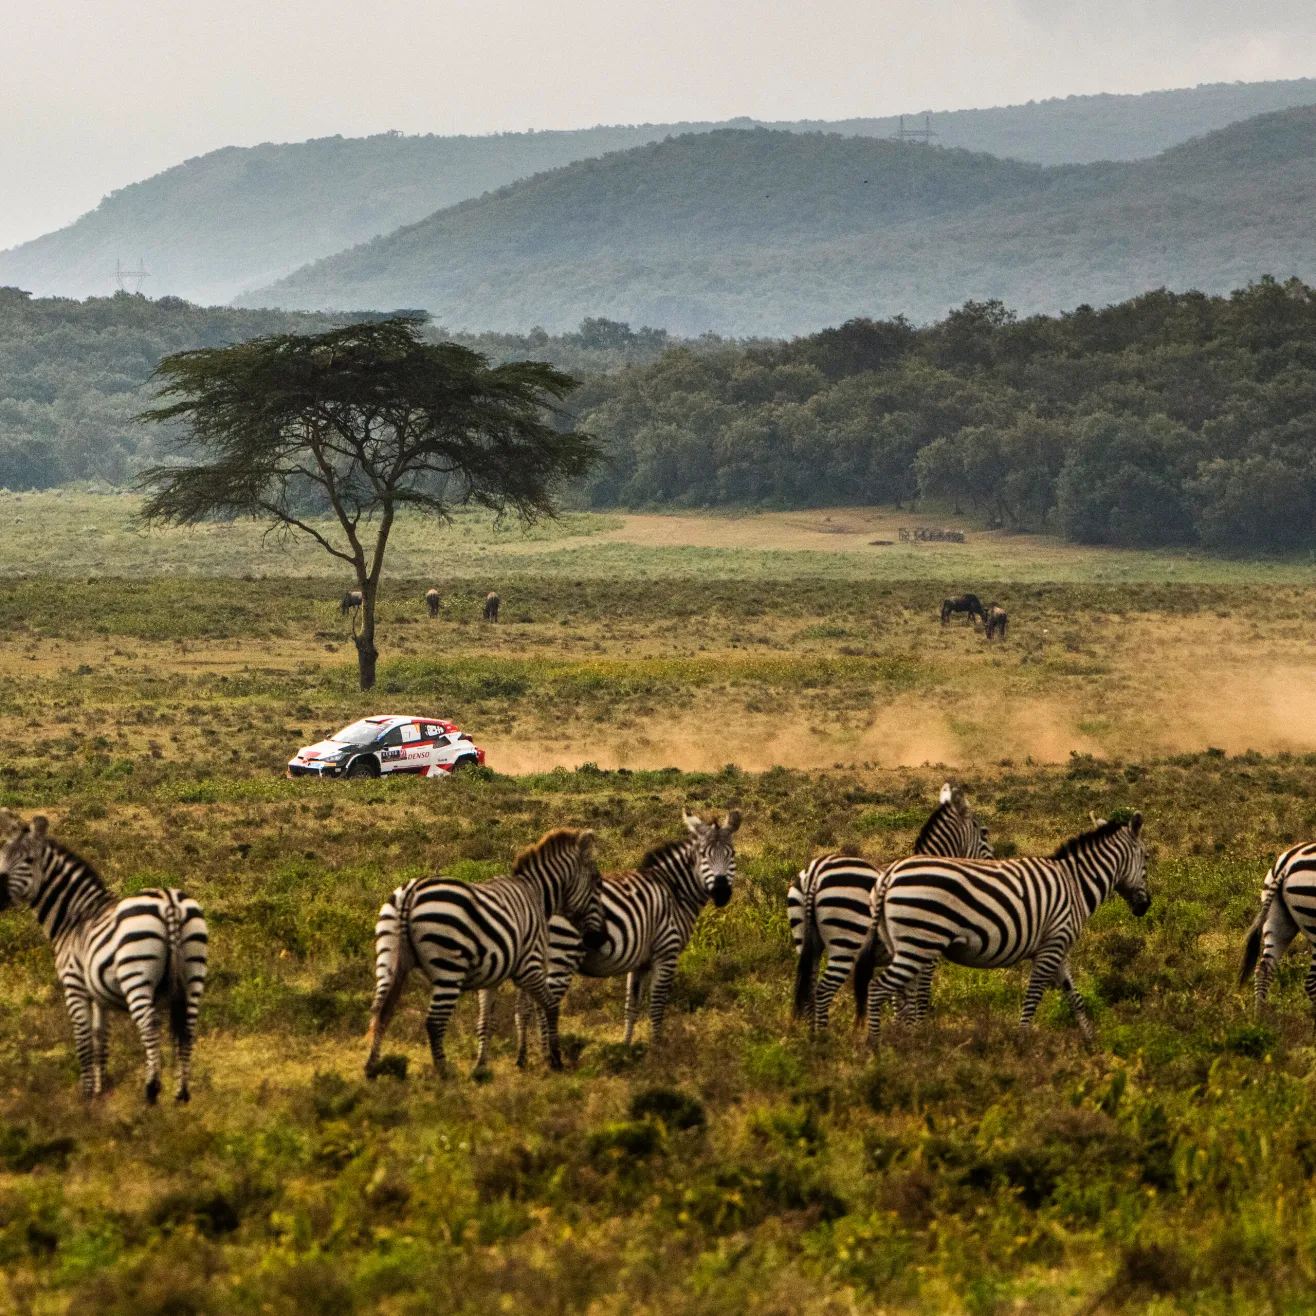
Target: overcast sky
[[100, 93]]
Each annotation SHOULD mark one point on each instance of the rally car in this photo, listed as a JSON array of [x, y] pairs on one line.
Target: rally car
[[422, 746]]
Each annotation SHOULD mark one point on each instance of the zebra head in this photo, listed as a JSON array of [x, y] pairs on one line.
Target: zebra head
[[582, 893], [20, 864], [954, 829], [715, 853], [1131, 875]]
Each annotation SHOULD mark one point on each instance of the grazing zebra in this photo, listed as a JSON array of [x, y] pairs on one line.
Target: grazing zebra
[[350, 602], [997, 619], [1288, 906], [965, 603], [432, 601], [828, 905], [121, 955], [989, 914], [491, 602], [649, 915], [466, 937]]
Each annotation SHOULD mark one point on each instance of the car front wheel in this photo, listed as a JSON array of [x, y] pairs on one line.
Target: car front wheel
[[364, 766]]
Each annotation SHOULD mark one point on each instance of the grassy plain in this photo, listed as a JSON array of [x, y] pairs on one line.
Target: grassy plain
[[966, 1169]]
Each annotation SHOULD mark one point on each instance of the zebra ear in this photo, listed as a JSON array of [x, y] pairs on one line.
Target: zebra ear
[[947, 794], [39, 825], [694, 824], [1135, 824], [586, 841], [733, 820]]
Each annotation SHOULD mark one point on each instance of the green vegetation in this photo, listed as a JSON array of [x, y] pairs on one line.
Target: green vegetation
[[756, 233], [223, 223], [735, 1168]]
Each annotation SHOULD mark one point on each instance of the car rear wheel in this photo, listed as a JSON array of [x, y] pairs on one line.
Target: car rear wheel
[[463, 764], [364, 766]]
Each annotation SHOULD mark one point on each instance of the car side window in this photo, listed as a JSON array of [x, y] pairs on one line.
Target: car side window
[[431, 731], [393, 739], [410, 733], [440, 741]]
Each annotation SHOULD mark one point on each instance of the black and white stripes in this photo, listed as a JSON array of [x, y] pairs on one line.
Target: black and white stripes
[[1288, 906], [466, 937], [993, 913], [111, 955]]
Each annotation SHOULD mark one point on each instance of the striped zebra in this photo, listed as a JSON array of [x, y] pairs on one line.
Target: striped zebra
[[649, 916], [989, 914], [1288, 906], [466, 937], [111, 955], [828, 907]]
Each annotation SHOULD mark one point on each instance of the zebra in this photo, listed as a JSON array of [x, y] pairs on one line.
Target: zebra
[[649, 915], [997, 619], [964, 603], [828, 905], [350, 602], [491, 602], [1288, 906], [432, 601], [992, 914], [121, 955], [465, 937]]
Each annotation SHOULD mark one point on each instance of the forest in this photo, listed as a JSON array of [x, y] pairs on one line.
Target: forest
[[1172, 418]]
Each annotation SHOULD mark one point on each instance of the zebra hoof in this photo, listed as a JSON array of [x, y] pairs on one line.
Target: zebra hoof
[[182, 1096], [555, 1062], [152, 1091], [482, 1074]]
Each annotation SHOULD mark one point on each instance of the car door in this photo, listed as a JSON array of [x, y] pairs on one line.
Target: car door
[[416, 753], [388, 749]]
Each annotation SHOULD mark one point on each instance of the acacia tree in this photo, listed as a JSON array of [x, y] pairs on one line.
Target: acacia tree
[[352, 426]]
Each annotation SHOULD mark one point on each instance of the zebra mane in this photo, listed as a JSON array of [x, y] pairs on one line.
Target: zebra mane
[[89, 870], [660, 853], [950, 805], [1077, 844], [548, 845]]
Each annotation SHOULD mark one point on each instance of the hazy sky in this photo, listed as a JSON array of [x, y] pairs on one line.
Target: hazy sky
[[100, 93]]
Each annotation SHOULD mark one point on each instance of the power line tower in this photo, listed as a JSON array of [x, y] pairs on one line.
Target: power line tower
[[923, 134], [126, 276]]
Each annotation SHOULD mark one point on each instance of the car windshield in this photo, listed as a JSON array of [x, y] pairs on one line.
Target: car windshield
[[359, 733]]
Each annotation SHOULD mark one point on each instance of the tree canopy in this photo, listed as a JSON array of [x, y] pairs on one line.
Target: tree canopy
[[360, 421]]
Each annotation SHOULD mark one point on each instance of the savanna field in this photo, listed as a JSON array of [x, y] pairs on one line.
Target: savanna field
[[153, 687]]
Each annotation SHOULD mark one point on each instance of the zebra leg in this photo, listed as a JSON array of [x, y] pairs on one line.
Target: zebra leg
[[897, 977], [78, 1004], [635, 981], [1276, 937], [660, 984], [1309, 985], [548, 1011], [482, 1027], [524, 1007], [141, 1006], [915, 1001], [924, 1004], [840, 960], [99, 1039], [443, 1001], [1066, 981], [1047, 964]]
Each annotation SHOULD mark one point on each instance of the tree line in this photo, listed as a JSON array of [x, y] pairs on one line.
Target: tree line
[[1172, 418]]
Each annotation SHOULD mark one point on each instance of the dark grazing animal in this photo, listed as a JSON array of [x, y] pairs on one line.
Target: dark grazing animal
[[1288, 906], [828, 907], [432, 601], [997, 619], [491, 603], [990, 914], [964, 603], [111, 954], [649, 916], [468, 936], [351, 600]]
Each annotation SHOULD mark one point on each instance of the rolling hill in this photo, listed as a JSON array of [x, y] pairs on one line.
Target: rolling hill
[[762, 232], [240, 218]]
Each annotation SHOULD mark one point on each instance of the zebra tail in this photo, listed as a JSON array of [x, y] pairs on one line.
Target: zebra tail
[[866, 960], [173, 918], [1252, 947], [400, 961], [806, 967]]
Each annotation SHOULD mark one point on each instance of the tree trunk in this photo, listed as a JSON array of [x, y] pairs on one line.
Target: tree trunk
[[366, 653]]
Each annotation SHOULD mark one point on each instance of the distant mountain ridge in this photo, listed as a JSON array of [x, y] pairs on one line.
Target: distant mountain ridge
[[241, 218], [773, 233]]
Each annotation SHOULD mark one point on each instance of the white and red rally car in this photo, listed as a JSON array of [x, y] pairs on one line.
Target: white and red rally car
[[422, 746]]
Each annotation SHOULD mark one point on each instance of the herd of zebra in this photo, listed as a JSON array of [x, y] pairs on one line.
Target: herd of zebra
[[353, 599], [556, 916]]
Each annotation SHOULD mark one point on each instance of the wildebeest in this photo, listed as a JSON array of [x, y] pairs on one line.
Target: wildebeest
[[491, 603], [965, 603], [996, 619], [351, 601], [432, 601]]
